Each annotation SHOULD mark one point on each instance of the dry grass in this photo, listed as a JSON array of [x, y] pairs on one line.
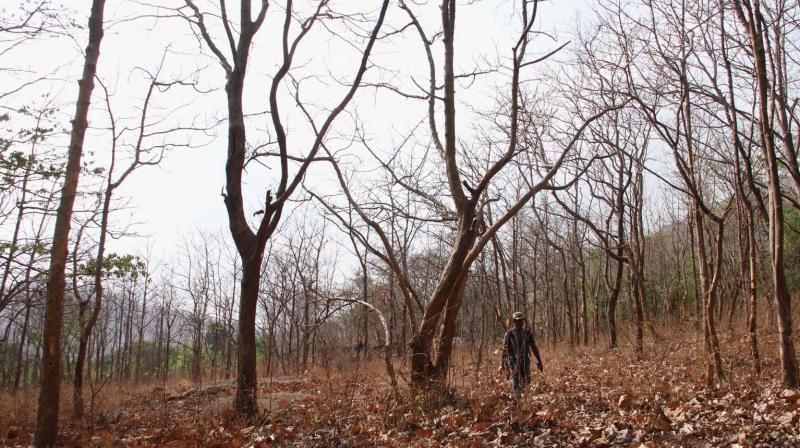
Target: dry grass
[[588, 396]]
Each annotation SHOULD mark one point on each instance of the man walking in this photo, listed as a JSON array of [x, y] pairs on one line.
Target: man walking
[[518, 343]]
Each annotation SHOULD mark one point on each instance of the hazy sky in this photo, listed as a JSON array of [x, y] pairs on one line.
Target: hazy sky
[[183, 193]]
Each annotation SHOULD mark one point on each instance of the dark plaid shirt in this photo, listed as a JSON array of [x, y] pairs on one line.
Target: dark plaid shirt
[[517, 347]]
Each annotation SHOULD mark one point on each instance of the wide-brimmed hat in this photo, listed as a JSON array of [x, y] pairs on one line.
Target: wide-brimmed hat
[[518, 316]]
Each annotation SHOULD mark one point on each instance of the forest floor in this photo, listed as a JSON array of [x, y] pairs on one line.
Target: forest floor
[[587, 397]]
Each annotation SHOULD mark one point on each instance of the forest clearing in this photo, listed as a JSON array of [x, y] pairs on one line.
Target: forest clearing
[[399, 223], [588, 397]]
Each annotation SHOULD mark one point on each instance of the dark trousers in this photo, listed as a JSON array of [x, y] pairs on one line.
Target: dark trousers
[[520, 375]]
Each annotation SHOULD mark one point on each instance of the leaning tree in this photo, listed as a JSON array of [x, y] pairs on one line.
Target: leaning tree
[[47, 416], [473, 174]]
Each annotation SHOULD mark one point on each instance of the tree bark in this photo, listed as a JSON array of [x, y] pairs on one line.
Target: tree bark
[[49, 394], [246, 402], [754, 23]]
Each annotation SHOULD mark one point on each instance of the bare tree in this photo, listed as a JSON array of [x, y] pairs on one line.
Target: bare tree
[[250, 243], [751, 17], [147, 147], [47, 416], [468, 233]]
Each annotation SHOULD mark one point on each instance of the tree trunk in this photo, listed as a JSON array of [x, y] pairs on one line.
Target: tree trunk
[[584, 310], [247, 381], [638, 309], [22, 341], [197, 353], [444, 305], [752, 318], [613, 296], [87, 327], [49, 394], [695, 281], [783, 300], [140, 341]]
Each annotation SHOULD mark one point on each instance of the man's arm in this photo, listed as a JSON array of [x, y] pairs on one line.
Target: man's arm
[[504, 354], [536, 352]]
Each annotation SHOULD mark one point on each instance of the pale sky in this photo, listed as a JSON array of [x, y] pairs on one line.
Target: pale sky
[[183, 193]]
